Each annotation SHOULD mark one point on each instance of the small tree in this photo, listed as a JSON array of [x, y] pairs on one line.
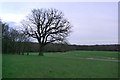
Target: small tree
[[47, 26]]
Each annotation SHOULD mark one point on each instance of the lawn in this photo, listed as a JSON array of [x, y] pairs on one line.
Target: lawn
[[72, 64]]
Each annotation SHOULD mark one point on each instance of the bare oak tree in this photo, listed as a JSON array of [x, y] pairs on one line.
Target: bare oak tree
[[47, 26]]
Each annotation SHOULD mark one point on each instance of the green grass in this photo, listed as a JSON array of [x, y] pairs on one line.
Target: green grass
[[60, 65], [84, 54]]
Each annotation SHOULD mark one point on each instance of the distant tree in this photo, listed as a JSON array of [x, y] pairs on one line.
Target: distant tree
[[47, 26], [23, 45], [5, 38], [13, 41]]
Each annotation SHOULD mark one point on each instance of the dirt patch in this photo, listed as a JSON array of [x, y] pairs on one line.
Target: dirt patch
[[90, 58], [112, 59]]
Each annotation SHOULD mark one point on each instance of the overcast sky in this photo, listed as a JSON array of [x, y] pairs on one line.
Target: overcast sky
[[93, 22]]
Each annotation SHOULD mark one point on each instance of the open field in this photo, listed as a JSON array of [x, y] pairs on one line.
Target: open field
[[73, 64]]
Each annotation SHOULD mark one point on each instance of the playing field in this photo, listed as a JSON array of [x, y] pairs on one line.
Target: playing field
[[73, 64]]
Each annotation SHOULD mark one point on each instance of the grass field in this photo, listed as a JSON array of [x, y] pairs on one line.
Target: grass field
[[73, 64]]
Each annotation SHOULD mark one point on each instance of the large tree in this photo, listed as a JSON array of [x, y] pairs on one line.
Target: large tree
[[47, 26]]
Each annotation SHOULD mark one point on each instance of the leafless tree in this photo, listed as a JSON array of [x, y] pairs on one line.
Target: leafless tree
[[47, 26]]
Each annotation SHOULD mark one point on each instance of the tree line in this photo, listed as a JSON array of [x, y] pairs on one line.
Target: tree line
[[67, 47], [13, 41], [16, 42]]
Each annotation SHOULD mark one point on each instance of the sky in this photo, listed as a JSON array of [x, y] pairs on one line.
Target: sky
[[94, 23]]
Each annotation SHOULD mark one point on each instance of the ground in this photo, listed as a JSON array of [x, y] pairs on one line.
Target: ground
[[72, 64]]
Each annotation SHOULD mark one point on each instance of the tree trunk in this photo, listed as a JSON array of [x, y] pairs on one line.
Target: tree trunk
[[41, 50]]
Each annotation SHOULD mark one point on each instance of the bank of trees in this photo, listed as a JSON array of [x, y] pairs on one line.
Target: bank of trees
[[16, 42], [65, 47], [13, 41]]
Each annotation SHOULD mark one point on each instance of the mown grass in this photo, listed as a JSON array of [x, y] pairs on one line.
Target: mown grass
[[60, 65], [83, 54]]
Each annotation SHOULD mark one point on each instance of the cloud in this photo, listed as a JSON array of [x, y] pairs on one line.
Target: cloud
[[12, 17], [94, 42]]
